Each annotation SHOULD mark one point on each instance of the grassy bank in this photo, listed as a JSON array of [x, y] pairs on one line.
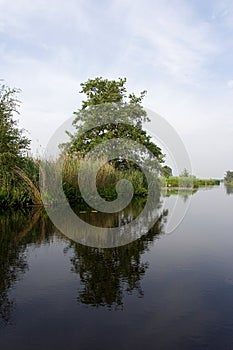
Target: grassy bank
[[17, 190], [187, 182], [106, 180]]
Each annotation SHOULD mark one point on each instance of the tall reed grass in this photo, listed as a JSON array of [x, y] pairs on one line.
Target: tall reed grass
[[19, 186], [106, 179]]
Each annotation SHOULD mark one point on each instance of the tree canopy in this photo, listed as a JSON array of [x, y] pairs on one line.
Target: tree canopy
[[228, 179], [13, 144], [166, 171], [15, 166], [107, 100]]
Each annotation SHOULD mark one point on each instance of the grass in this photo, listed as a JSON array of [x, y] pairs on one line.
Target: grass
[[106, 179], [187, 182], [19, 186]]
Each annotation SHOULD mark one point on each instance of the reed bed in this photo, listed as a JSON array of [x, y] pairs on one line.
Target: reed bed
[[106, 179], [20, 187]]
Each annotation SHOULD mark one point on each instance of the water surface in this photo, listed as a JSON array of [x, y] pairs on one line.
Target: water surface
[[163, 291]]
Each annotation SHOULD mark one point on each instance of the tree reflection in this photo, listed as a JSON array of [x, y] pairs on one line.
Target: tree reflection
[[184, 194], [12, 260], [18, 229], [107, 274]]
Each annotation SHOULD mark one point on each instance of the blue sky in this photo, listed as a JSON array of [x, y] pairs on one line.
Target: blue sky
[[181, 52]]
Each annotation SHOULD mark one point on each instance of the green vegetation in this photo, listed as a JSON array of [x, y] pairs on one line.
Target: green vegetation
[[107, 178], [228, 182], [105, 100], [187, 182], [13, 144], [18, 172], [166, 171], [228, 179]]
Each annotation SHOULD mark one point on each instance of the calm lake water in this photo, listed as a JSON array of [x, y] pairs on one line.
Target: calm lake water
[[163, 291]]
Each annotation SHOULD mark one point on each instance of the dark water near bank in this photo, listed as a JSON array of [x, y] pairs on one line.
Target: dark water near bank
[[163, 291]]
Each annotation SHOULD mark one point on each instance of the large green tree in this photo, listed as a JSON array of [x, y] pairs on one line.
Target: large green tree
[[18, 172], [228, 178], [13, 143], [106, 99]]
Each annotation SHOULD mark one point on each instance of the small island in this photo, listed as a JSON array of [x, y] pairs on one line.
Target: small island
[[19, 171]]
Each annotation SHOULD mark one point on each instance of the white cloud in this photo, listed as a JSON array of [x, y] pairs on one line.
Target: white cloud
[[175, 42]]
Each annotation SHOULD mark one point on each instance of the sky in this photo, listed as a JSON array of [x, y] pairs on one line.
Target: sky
[[180, 51]]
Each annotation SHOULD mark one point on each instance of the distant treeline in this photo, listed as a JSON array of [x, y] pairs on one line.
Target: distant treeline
[[187, 182]]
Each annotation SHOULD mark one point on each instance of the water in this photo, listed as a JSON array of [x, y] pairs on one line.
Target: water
[[164, 291]]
